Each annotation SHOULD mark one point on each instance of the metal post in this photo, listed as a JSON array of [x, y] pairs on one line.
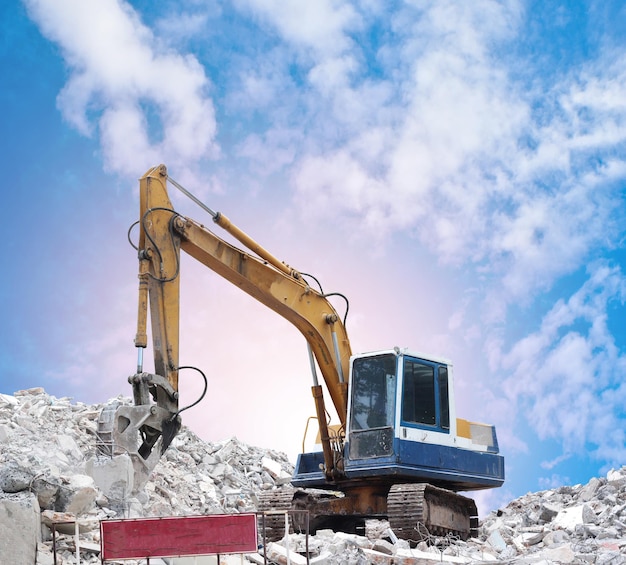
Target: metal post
[[264, 542], [308, 517], [287, 537], [77, 542], [54, 542]]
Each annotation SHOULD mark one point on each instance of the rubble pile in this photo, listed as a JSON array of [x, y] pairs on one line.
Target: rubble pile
[[582, 524], [570, 524], [52, 477], [49, 464]]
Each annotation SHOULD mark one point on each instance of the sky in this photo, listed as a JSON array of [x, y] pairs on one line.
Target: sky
[[456, 169]]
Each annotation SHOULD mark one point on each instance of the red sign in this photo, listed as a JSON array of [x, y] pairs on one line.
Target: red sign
[[178, 536]]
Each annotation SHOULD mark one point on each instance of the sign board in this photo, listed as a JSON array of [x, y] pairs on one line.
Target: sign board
[[178, 536]]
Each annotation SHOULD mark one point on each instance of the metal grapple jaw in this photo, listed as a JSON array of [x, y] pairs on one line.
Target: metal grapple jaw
[[143, 431], [161, 420]]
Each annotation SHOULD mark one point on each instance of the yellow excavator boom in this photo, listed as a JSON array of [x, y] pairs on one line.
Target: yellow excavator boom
[[163, 233]]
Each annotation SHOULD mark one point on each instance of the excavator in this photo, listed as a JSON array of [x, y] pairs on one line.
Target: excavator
[[399, 451]]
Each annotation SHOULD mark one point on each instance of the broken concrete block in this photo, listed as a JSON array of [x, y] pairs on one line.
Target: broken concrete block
[[69, 447], [376, 558], [526, 539], [616, 476], [557, 537], [64, 522], [383, 546], [113, 476], [7, 400], [588, 515], [569, 518], [353, 539], [280, 554], [20, 529], [44, 555], [15, 477], [548, 512], [271, 466], [5, 433], [77, 495], [562, 554], [589, 490], [46, 488], [496, 541], [208, 488]]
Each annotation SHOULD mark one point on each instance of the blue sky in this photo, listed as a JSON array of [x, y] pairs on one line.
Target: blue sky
[[456, 169]]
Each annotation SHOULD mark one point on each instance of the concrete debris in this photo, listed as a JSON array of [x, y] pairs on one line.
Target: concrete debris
[[50, 469], [51, 477], [20, 528]]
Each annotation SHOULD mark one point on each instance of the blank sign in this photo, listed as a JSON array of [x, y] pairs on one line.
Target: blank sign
[[178, 536]]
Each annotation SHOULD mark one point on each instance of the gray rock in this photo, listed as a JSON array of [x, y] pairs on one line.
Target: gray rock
[[548, 512], [20, 527], [114, 476], [588, 515], [383, 546], [15, 477], [46, 487], [5, 433], [77, 496], [561, 554], [496, 541], [557, 537], [617, 477], [589, 490], [610, 558]]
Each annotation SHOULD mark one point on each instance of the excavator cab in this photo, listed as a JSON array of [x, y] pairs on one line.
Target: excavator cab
[[386, 384], [402, 424]]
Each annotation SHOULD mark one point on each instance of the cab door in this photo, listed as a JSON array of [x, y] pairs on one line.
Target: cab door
[[372, 406]]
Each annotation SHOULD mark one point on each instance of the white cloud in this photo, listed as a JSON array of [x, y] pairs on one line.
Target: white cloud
[[319, 25], [548, 235], [446, 144], [566, 378], [447, 116], [441, 143], [556, 461], [178, 27], [271, 152], [146, 104], [554, 481], [358, 194], [579, 157], [321, 39]]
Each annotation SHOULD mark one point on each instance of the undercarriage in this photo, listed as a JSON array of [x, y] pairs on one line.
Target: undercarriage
[[413, 511]]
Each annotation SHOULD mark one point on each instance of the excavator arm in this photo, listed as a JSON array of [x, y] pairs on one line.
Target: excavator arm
[[163, 234]]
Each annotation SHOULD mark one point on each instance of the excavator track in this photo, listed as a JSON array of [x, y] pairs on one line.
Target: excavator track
[[272, 507], [418, 510]]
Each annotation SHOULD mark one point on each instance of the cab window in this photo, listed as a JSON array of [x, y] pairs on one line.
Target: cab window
[[425, 399], [373, 392]]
